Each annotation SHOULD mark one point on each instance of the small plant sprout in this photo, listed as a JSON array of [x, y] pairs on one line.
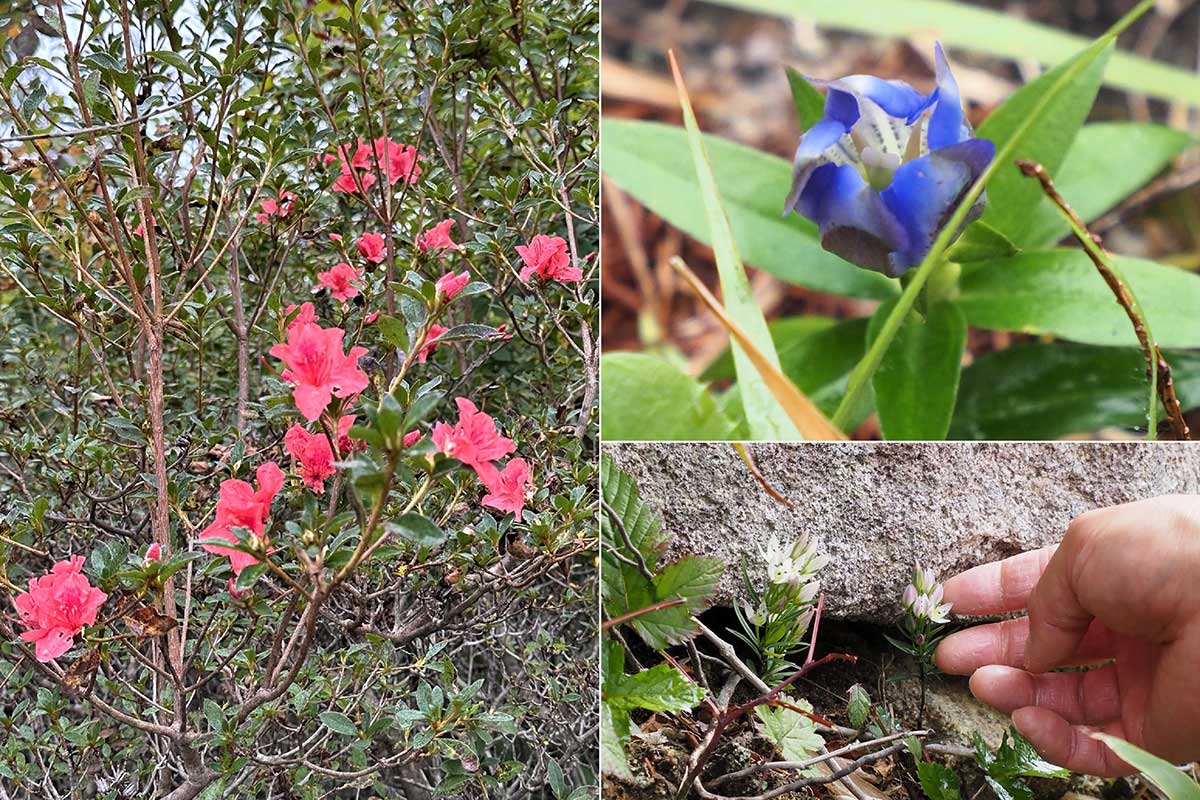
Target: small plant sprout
[[923, 623], [775, 619]]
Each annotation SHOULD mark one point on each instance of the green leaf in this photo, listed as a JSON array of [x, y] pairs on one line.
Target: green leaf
[[650, 161], [1014, 199], [389, 419], [660, 688], [338, 723], [642, 523], [554, 776], [614, 733], [810, 104], [646, 398], [815, 353], [1107, 162], [417, 529], [693, 579], [859, 707], [1047, 391], [1173, 782], [938, 781], [393, 331], [917, 381], [767, 418], [215, 715], [249, 576], [981, 243], [794, 734], [1060, 292], [983, 30]]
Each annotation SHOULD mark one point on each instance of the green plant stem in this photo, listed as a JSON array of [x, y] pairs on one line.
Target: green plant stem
[[860, 378]]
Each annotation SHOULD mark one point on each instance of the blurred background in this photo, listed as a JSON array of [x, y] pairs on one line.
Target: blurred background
[[733, 63]]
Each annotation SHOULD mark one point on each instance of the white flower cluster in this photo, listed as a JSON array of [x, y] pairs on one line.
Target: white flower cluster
[[922, 599], [795, 565]]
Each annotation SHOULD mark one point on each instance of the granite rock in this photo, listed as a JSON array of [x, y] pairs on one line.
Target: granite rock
[[880, 507]]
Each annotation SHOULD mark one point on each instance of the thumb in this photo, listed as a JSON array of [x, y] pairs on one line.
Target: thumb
[[1057, 617]]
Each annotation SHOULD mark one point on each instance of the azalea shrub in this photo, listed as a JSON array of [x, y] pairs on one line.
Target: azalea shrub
[[299, 421], [892, 197]]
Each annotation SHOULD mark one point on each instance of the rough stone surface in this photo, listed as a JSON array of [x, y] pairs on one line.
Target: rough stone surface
[[879, 508]]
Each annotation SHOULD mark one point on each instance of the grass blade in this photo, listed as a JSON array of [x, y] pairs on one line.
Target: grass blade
[[803, 414], [768, 420]]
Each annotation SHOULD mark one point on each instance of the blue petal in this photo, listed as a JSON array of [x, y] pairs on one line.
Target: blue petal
[[841, 112], [896, 98], [925, 191], [854, 222], [947, 125]]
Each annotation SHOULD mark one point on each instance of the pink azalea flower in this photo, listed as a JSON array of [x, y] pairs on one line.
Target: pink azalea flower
[[412, 437], [272, 207], [57, 607], [312, 455], [370, 246], [398, 161], [346, 183], [305, 316], [240, 506], [506, 488], [438, 238], [450, 284], [435, 332], [154, 553], [474, 440], [340, 281], [346, 445], [547, 257], [318, 369]]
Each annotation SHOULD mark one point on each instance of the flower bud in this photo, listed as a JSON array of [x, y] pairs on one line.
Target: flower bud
[[154, 553]]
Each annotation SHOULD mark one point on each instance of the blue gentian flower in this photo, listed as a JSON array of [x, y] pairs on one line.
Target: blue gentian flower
[[885, 167]]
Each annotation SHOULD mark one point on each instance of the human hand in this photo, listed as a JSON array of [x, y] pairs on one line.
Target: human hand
[[1123, 586]]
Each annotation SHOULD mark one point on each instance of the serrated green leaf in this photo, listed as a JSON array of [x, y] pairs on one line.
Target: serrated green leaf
[[794, 734], [938, 781], [859, 707]]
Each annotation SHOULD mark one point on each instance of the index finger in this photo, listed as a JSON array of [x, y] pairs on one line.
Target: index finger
[[998, 587]]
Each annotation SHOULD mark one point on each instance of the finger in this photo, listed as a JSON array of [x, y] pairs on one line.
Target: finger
[[998, 587], [1081, 698], [1070, 746], [1005, 642], [1057, 617]]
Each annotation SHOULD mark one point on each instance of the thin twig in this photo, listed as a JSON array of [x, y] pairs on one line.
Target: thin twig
[[609, 623], [1159, 370]]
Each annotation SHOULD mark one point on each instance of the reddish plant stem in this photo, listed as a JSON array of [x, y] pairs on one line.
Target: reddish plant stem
[[1150, 349]]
